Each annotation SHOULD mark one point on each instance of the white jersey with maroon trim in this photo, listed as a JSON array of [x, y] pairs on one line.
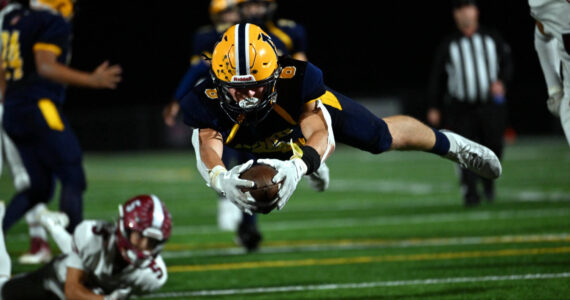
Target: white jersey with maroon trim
[[95, 252], [554, 15]]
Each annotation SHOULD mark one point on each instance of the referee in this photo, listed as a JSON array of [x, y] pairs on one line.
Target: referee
[[467, 89]]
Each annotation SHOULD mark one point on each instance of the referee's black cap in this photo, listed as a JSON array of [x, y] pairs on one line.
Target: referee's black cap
[[461, 3]]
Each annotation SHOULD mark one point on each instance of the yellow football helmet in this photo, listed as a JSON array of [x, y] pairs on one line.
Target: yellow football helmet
[[218, 7], [63, 7], [245, 58]]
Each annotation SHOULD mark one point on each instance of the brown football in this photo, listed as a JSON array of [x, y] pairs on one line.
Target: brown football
[[265, 191]]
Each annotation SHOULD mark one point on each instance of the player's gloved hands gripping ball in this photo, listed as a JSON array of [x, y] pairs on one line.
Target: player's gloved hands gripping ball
[[289, 173], [229, 184], [119, 294], [304, 161]]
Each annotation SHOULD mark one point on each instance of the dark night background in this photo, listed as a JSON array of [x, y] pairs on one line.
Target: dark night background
[[363, 52]]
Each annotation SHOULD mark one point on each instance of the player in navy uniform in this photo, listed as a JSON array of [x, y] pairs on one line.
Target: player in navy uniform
[[35, 47], [290, 39], [282, 113], [223, 14]]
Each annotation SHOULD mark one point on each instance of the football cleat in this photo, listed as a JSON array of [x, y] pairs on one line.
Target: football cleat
[[473, 156], [39, 253], [248, 236], [319, 180]]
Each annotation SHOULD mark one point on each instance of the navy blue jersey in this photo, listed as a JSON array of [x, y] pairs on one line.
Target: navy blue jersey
[[289, 37], [25, 31], [205, 40], [300, 83]]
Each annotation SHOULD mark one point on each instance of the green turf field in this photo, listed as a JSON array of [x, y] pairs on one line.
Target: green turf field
[[389, 227]]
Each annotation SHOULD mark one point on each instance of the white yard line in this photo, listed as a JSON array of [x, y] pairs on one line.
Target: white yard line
[[331, 223], [463, 216], [388, 186], [359, 285]]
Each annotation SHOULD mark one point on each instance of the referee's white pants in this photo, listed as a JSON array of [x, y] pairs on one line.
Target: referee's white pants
[[565, 103]]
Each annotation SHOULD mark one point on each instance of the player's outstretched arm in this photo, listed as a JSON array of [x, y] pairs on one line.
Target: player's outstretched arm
[[74, 288], [169, 113], [104, 76], [307, 159], [224, 182], [316, 126], [211, 146]]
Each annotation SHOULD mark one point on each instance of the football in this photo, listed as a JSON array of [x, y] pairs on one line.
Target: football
[[265, 191]]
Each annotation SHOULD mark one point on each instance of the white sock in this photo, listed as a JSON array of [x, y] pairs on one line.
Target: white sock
[[19, 173], [34, 228], [229, 215]]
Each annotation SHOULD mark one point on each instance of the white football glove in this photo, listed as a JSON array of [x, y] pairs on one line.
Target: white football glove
[[288, 171], [319, 180], [119, 294], [553, 103], [229, 185]]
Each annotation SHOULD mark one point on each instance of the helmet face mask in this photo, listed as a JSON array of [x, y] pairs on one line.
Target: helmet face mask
[[245, 59], [143, 228], [251, 109], [140, 258]]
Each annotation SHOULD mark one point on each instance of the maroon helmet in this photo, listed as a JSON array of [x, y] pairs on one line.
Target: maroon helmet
[[148, 216]]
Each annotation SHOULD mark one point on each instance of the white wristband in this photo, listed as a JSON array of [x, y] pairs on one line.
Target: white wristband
[[213, 173]]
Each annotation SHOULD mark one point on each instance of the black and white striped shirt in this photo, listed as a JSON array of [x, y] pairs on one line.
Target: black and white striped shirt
[[465, 67]]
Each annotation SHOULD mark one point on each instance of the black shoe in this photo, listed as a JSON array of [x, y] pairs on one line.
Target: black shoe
[[490, 197], [248, 236], [489, 191], [471, 201]]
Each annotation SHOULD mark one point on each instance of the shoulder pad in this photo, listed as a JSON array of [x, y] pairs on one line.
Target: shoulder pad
[[89, 237]]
